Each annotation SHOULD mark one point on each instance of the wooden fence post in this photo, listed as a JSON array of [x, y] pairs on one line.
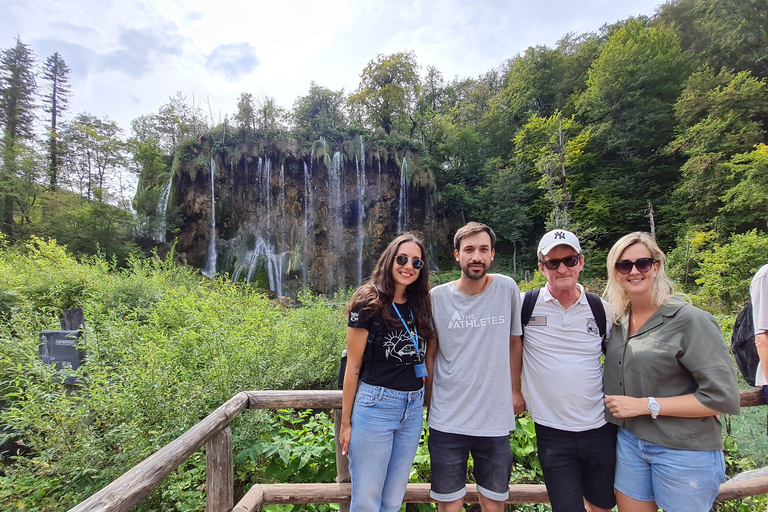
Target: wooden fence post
[[342, 463], [219, 471]]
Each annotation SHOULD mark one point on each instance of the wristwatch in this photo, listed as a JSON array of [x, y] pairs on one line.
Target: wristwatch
[[653, 406]]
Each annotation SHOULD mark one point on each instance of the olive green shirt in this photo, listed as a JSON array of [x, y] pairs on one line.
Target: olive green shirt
[[678, 351]]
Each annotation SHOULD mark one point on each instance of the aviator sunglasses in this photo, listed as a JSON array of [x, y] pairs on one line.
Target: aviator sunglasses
[[402, 259], [642, 264], [570, 261]]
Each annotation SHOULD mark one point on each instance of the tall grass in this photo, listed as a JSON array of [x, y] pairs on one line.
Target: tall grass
[[165, 347]]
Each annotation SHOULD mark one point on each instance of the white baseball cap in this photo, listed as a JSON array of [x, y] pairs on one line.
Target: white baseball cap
[[558, 237]]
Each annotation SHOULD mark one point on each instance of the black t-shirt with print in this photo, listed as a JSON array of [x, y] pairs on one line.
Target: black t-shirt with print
[[393, 358]]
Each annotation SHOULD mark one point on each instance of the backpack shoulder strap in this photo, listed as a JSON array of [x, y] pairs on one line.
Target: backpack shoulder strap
[[598, 310], [529, 301], [596, 305], [375, 333]]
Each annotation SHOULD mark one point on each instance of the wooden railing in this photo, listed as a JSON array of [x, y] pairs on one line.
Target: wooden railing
[[213, 432]]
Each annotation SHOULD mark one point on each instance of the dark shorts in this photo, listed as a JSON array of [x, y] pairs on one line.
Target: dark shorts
[[449, 454], [578, 466]]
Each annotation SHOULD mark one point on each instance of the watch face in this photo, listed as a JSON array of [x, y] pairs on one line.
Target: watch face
[[654, 407]]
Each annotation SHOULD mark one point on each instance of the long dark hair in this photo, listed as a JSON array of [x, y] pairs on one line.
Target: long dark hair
[[377, 294]]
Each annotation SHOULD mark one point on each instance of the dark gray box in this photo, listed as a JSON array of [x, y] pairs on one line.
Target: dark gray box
[[59, 348]]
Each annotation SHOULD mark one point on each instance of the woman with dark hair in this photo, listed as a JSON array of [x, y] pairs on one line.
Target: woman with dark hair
[[668, 377], [390, 319]]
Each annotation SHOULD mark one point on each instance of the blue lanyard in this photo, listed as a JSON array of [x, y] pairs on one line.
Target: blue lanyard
[[414, 340]]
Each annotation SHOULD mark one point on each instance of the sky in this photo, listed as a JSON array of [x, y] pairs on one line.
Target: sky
[[129, 56]]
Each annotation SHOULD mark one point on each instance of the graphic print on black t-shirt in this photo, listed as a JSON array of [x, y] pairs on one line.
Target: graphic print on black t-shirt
[[399, 348], [394, 355]]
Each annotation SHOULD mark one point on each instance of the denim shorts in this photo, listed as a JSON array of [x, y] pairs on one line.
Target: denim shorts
[[677, 480], [578, 466], [449, 454]]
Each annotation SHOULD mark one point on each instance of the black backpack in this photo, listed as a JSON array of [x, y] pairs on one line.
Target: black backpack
[[595, 304], [743, 344]]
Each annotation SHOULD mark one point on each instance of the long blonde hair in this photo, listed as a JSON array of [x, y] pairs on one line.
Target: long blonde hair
[[663, 286]]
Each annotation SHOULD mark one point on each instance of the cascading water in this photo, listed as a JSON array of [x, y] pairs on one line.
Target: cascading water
[[361, 184], [263, 253], [210, 266], [268, 232], [163, 212], [402, 203], [335, 218], [309, 222]]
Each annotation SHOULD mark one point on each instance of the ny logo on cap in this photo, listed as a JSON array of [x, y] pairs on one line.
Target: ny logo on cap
[[559, 235]]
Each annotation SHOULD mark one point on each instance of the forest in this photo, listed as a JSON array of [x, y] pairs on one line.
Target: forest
[[657, 124]]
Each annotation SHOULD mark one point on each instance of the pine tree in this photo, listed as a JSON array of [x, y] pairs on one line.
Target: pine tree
[[56, 82], [17, 116]]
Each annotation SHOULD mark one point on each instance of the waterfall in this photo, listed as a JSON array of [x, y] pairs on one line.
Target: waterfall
[[275, 265], [267, 237], [335, 220], [210, 266], [360, 212], [402, 214], [281, 199], [162, 211], [309, 220]]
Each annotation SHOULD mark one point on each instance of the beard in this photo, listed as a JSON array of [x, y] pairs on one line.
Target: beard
[[474, 274]]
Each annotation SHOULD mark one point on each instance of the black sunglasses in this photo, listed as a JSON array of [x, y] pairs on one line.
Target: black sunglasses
[[402, 259], [642, 264], [570, 261]]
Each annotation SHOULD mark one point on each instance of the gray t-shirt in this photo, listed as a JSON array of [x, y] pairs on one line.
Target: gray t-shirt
[[472, 383]]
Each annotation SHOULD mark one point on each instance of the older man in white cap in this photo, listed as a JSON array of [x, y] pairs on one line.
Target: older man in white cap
[[562, 380]]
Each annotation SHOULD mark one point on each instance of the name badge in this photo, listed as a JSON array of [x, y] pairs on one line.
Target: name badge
[[420, 369]]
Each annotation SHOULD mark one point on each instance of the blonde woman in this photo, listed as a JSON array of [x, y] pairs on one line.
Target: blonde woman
[[668, 377]]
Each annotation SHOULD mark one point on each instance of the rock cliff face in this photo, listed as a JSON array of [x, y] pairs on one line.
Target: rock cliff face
[[271, 214]]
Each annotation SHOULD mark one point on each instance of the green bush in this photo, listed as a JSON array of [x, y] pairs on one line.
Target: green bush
[[165, 347]]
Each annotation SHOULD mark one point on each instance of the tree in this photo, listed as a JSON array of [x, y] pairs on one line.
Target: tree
[[318, 114], [745, 205], [17, 115], [553, 149], [269, 116], [245, 119], [56, 83], [631, 90], [95, 153], [176, 121], [720, 116], [387, 94]]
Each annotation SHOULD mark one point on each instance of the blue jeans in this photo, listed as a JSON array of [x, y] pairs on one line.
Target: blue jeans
[[386, 427]]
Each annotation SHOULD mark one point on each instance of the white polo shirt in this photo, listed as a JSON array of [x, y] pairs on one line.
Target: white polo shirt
[[758, 291], [562, 377]]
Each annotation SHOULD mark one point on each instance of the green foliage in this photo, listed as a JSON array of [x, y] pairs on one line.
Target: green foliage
[[387, 93], [319, 114], [295, 446], [165, 348], [726, 270]]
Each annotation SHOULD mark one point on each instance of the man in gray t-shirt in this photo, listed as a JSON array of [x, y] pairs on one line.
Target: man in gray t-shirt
[[473, 382]]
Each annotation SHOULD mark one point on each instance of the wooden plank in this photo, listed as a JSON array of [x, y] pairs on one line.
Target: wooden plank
[[734, 490], [219, 473], [294, 399], [72, 319], [252, 501], [134, 485], [302, 494], [752, 397], [342, 462]]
